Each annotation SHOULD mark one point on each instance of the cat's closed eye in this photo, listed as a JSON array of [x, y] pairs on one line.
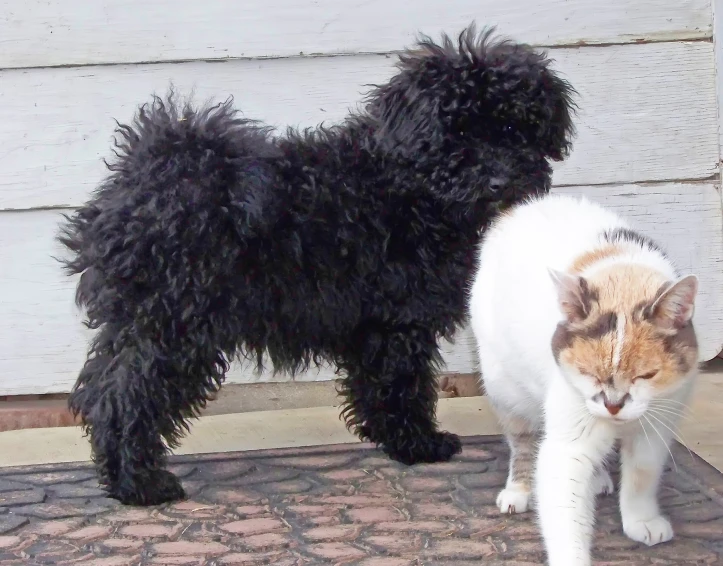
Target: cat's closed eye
[[649, 375]]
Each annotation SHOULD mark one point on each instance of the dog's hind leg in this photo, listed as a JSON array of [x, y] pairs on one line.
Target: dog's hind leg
[[391, 393], [134, 395]]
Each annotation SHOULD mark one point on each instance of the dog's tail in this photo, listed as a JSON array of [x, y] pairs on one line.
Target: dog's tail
[[183, 179]]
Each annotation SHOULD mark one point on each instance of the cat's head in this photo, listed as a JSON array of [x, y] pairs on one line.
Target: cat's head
[[626, 340]]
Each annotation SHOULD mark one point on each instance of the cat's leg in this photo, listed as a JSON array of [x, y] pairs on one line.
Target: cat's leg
[[602, 481], [522, 440], [643, 455], [574, 446]]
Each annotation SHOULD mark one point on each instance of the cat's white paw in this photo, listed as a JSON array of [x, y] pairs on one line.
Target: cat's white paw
[[513, 500], [650, 532], [602, 482]]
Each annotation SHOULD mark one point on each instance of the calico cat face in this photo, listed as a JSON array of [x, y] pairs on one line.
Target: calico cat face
[[626, 339]]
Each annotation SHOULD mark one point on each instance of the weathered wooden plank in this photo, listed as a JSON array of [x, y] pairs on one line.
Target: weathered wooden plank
[[648, 112], [42, 341], [74, 32]]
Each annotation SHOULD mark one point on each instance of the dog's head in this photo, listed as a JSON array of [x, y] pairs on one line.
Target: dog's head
[[480, 90]]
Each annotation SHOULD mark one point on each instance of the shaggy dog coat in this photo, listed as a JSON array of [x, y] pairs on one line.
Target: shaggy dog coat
[[213, 238]]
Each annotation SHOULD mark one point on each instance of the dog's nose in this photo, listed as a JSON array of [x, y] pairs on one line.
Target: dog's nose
[[614, 408]]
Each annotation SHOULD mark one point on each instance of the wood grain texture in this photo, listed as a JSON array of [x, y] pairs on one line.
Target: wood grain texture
[[647, 112], [73, 32], [42, 341]]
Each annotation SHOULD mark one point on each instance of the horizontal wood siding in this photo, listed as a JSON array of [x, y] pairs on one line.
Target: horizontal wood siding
[[647, 112], [647, 141], [78, 32]]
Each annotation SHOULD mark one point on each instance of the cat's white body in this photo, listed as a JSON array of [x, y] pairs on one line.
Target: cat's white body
[[515, 311]]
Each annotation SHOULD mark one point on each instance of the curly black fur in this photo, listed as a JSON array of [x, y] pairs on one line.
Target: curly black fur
[[352, 245]]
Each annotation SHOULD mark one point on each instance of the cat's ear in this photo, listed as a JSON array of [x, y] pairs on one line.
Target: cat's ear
[[675, 305], [573, 295]]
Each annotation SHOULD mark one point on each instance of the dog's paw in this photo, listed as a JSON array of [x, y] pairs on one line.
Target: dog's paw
[[514, 499], [160, 486], [651, 532], [602, 483], [436, 447]]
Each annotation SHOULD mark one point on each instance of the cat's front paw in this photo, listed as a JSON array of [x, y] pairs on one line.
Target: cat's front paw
[[602, 482], [651, 532], [513, 500]]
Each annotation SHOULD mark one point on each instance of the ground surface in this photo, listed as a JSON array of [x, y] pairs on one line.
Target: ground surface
[[328, 505]]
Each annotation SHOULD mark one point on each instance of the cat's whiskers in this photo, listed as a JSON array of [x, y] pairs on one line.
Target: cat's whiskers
[[669, 411], [662, 439], [669, 404], [677, 435], [645, 431], [667, 400]]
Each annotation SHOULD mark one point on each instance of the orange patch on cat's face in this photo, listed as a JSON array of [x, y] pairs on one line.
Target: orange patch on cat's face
[[645, 350], [590, 346]]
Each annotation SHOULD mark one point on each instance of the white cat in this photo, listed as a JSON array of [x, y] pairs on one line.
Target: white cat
[[585, 338]]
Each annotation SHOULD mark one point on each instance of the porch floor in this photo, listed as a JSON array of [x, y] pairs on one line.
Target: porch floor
[[342, 504], [293, 487]]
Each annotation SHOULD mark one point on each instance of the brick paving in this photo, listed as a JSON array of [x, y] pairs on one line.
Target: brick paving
[[328, 505]]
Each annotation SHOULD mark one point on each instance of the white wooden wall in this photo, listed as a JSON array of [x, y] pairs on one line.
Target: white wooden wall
[[647, 143]]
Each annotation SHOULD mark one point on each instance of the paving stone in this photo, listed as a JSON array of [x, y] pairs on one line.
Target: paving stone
[[267, 541], [9, 541], [374, 514], [9, 523], [254, 526], [70, 490], [52, 478], [425, 484], [332, 533], [151, 531], [7, 485], [396, 545], [263, 475], [89, 533], [335, 551], [225, 470], [326, 462], [121, 545], [342, 505], [232, 495], [54, 527], [291, 486], [24, 497], [60, 510], [187, 547]]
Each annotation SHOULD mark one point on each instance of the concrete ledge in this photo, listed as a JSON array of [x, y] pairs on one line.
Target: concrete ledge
[[239, 432], [45, 411]]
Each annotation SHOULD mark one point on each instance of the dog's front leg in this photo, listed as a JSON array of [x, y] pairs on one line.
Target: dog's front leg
[[391, 393]]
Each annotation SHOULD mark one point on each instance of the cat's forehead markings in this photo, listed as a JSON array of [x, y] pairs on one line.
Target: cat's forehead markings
[[619, 340], [602, 325]]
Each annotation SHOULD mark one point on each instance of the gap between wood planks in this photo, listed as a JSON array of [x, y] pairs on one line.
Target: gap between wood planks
[[715, 179], [663, 38]]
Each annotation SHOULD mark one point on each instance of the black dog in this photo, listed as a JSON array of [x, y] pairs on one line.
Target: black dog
[[352, 245]]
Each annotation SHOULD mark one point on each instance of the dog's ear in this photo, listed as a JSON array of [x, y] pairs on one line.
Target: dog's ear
[[477, 90], [528, 101], [408, 111]]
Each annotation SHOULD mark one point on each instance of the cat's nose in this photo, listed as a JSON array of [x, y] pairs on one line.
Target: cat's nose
[[614, 408]]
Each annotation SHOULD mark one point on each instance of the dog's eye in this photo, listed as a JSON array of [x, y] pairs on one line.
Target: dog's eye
[[649, 375]]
